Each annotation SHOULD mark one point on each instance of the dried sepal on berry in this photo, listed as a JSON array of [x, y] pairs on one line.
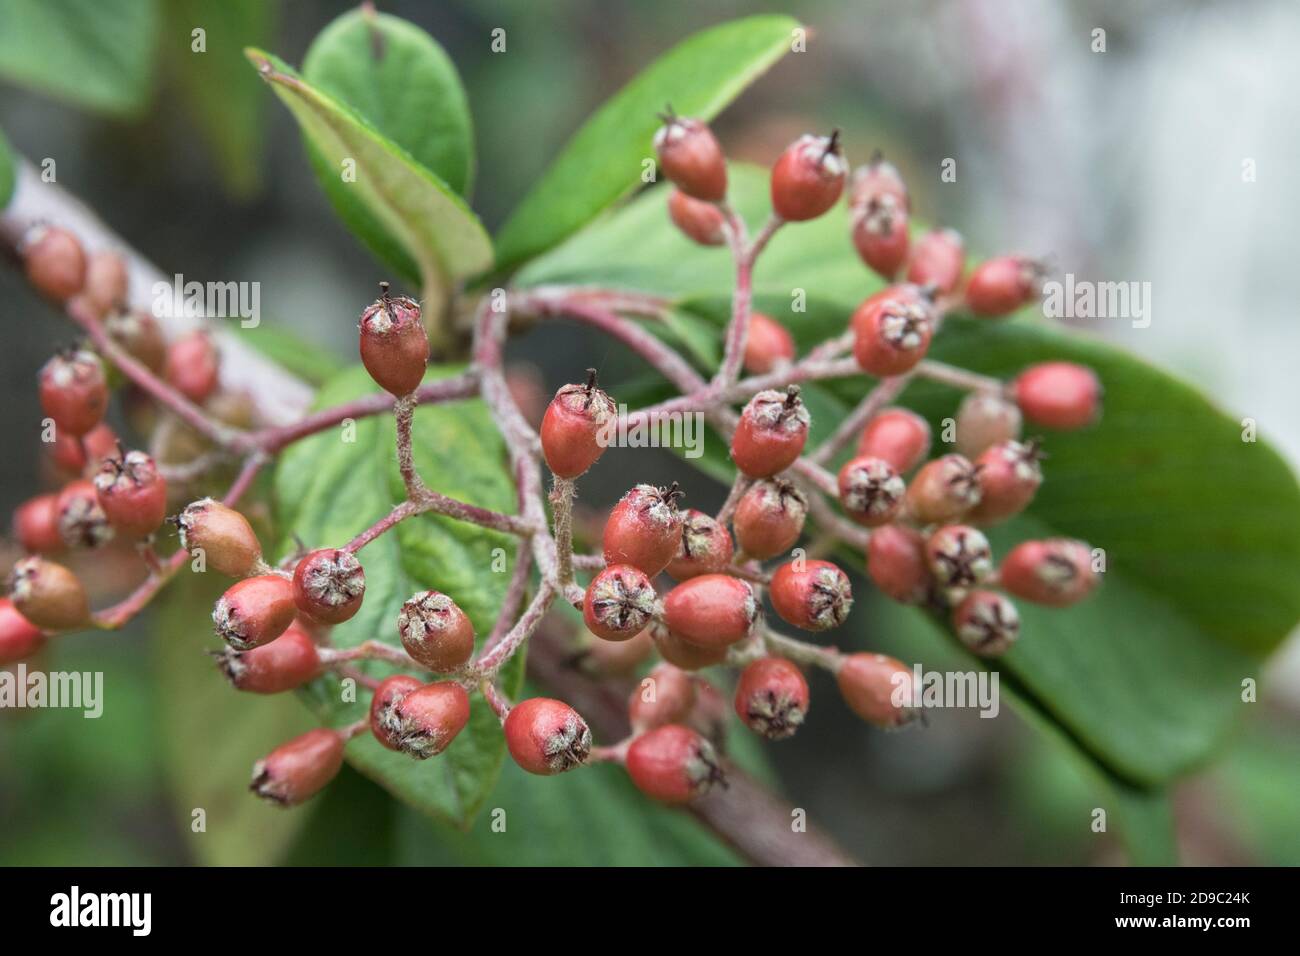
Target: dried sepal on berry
[[546, 736], [619, 603], [1009, 476], [674, 764], [808, 178], [959, 556], [299, 769], [329, 585], [384, 722], [73, 390], [892, 336], [769, 518], [871, 491], [771, 433], [82, 522], [943, 490], [705, 547], [644, 529], [254, 611], [691, 157], [393, 343], [426, 721], [435, 631], [573, 427], [1057, 572], [48, 594], [811, 595], [880, 235], [132, 493], [772, 697], [987, 623]]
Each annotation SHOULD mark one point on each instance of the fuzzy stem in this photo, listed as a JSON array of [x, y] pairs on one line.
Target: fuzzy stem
[[404, 415], [958, 377], [851, 426], [562, 492]]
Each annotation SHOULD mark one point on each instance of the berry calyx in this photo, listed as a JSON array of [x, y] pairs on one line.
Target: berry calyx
[[298, 770], [891, 337], [877, 178], [808, 178], [393, 343], [878, 689], [985, 419], [435, 631], [644, 529], [1009, 476], [254, 611], [48, 595], [328, 585], [811, 595], [54, 261], [1056, 572], [705, 547], [769, 345], [943, 490], [870, 490], [690, 156], [221, 535], [36, 525], [665, 696], [899, 436], [772, 697], [712, 610], [572, 427], [986, 622], [82, 522], [284, 664], [959, 556], [769, 518], [674, 764], [132, 494], [1058, 395], [880, 235], [771, 433], [193, 366], [699, 221], [619, 603], [938, 260], [897, 564], [19, 637], [999, 286], [74, 391], [384, 723], [546, 736], [427, 720]]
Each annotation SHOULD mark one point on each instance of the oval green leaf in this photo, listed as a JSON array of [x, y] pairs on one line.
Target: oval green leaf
[[8, 171]]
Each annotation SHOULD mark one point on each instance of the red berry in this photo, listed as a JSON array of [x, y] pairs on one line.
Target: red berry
[[938, 260], [896, 563], [619, 603], [609, 658], [132, 493], [140, 335], [436, 632], [54, 261], [193, 366], [328, 585], [48, 595], [876, 178], [573, 426], [682, 653], [82, 522], [1009, 477], [705, 547], [870, 490], [904, 292], [19, 637], [673, 764], [768, 346], [890, 337], [772, 697], [959, 556], [106, 282], [691, 157], [771, 433], [880, 235], [769, 518], [284, 664], [665, 696], [898, 436], [812, 595], [36, 525], [426, 720], [254, 611], [644, 529], [1056, 572], [985, 419], [987, 623], [394, 346], [999, 286], [221, 535], [943, 490], [878, 689], [384, 723], [74, 391], [74, 454], [546, 736], [298, 770], [700, 221], [808, 177], [713, 610], [1058, 395]]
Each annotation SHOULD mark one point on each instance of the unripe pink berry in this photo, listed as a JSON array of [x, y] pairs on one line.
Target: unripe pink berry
[[428, 719], [54, 261], [193, 366], [987, 623], [106, 282], [328, 585], [546, 736], [772, 431], [19, 637], [140, 335], [768, 346], [878, 689], [682, 653], [938, 260], [772, 697], [48, 595], [808, 178], [712, 611], [222, 535], [899, 436], [254, 611], [811, 595], [943, 490], [1056, 572], [77, 454], [880, 235], [870, 490], [1009, 477], [436, 632], [985, 419], [1000, 286], [690, 156], [644, 529], [298, 770], [705, 547], [619, 603], [769, 518], [1059, 395], [673, 764], [665, 696], [384, 723], [284, 664], [394, 346], [891, 337], [878, 177], [959, 556], [82, 522], [896, 563], [74, 391], [132, 493], [36, 525], [572, 427], [700, 221]]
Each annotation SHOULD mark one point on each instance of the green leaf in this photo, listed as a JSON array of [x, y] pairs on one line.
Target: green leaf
[[327, 489], [305, 359], [8, 171], [96, 54], [603, 161], [433, 225]]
